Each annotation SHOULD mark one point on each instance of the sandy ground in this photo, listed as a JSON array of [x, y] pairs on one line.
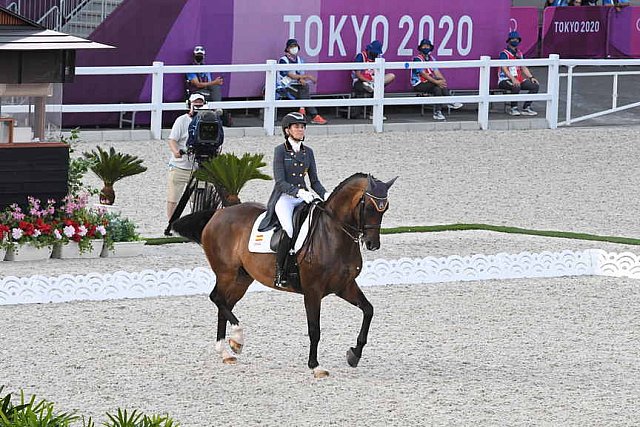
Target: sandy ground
[[518, 352]]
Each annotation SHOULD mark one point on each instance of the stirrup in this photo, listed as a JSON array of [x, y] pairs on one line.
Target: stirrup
[[280, 281]]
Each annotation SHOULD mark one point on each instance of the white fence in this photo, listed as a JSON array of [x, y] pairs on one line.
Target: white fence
[[483, 98]]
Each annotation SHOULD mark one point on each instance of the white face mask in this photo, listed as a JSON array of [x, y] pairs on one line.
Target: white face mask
[[294, 50]]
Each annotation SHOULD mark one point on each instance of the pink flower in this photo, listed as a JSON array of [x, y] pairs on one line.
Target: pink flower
[[36, 232], [100, 229], [56, 234], [82, 230]]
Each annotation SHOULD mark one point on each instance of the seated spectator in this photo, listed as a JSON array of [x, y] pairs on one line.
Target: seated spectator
[[515, 78], [362, 80], [589, 2], [205, 85], [548, 3], [430, 80], [575, 2], [560, 3], [619, 4], [295, 83]]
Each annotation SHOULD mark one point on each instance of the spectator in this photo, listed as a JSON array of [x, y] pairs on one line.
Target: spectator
[[589, 2], [204, 84], [180, 165], [619, 4], [560, 3], [295, 83], [362, 80], [575, 2], [430, 80], [515, 78], [548, 3]]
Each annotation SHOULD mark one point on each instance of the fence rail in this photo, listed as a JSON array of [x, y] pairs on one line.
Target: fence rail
[[551, 96]]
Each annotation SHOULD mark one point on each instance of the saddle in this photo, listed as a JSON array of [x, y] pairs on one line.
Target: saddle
[[300, 213], [290, 267]]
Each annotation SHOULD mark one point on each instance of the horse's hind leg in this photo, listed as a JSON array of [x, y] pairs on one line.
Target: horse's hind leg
[[353, 294], [225, 295]]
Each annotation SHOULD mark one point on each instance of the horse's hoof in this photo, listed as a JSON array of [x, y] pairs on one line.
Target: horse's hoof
[[319, 372], [235, 346], [352, 359], [230, 360]]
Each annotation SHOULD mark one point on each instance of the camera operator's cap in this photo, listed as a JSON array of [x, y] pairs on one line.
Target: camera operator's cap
[[375, 47], [425, 42], [198, 50], [291, 42], [196, 96]]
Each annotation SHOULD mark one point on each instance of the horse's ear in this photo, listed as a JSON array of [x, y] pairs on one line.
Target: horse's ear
[[372, 181], [390, 183]]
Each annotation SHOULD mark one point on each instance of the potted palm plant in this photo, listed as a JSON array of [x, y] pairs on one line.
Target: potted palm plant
[[111, 166], [231, 173]]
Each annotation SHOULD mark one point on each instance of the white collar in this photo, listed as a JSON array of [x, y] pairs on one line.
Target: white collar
[[295, 144]]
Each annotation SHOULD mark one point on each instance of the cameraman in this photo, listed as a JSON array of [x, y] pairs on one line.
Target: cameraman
[[180, 164]]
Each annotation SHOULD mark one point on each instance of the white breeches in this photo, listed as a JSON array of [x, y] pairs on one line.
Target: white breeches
[[284, 211]]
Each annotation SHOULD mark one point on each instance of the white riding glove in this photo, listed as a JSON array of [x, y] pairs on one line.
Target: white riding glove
[[305, 195]]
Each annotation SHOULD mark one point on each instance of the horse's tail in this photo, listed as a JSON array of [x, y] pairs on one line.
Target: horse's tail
[[191, 226]]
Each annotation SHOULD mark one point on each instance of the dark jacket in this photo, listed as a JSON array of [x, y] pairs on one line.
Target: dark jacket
[[289, 170]]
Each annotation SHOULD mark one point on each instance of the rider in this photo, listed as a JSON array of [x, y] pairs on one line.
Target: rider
[[292, 161]]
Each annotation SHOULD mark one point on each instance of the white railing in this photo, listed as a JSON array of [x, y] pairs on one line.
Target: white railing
[[156, 105], [570, 74]]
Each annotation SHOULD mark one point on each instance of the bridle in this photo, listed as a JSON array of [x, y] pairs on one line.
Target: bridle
[[355, 233]]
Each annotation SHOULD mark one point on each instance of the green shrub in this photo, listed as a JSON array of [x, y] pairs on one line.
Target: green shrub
[[32, 413], [121, 229]]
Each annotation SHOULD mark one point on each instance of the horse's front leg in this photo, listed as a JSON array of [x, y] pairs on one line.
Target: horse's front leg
[[353, 294], [312, 306]]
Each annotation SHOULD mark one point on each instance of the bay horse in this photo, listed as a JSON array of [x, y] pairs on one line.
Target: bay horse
[[329, 260]]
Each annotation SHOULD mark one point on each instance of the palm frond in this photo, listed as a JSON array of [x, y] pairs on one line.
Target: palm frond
[[232, 172], [111, 166]]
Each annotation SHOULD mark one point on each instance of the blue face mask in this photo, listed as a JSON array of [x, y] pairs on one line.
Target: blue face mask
[[426, 50], [514, 43], [372, 55]]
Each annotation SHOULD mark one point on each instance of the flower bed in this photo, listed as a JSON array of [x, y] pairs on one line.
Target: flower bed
[[69, 223]]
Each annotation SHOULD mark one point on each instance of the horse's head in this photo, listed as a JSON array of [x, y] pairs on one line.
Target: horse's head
[[358, 204], [372, 206]]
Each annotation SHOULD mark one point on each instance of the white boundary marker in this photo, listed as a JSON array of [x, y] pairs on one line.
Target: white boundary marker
[[177, 282]]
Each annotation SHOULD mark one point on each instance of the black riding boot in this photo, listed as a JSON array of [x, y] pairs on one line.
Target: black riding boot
[[281, 257]]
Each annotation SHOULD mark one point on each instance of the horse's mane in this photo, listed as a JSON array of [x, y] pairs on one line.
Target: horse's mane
[[346, 181]]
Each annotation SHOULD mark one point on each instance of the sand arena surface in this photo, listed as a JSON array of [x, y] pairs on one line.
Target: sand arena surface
[[518, 352]]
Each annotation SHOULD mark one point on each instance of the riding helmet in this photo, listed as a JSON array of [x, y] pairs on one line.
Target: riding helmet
[[292, 118]]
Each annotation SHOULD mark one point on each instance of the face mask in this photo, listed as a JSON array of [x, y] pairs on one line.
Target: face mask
[[514, 43], [372, 55], [426, 50], [294, 50], [198, 58]]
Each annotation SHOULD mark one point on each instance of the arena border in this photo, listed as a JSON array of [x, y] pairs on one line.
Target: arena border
[[381, 272]]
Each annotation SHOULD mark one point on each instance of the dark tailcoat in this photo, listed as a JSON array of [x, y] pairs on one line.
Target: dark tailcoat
[[289, 170]]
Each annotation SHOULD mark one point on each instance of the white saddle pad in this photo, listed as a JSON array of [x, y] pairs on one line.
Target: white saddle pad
[[260, 241]]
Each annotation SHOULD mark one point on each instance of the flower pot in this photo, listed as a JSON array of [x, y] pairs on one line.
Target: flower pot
[[124, 249], [28, 252], [112, 209], [71, 250]]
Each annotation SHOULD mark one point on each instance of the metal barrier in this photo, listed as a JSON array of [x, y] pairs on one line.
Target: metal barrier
[[570, 74]]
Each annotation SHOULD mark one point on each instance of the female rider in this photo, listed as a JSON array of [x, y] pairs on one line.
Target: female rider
[[292, 161]]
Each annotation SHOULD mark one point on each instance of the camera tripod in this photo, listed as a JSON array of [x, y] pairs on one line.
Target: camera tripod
[[205, 196]]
